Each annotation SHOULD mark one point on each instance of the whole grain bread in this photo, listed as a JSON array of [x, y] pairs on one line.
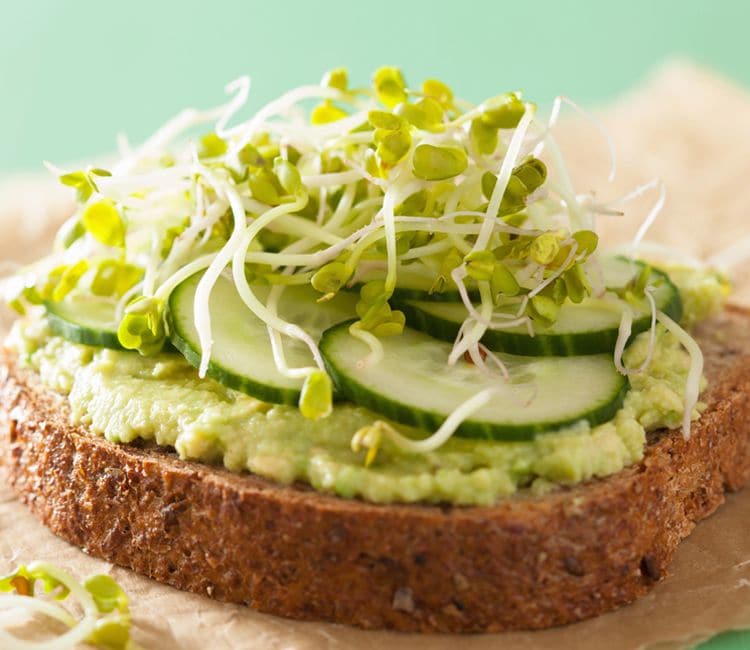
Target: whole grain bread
[[524, 563]]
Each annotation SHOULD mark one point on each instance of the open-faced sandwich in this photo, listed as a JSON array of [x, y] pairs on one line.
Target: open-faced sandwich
[[360, 358]]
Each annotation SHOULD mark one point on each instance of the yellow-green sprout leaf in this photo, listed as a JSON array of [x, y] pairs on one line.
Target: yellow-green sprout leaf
[[265, 187], [114, 278], [112, 633], [369, 437], [438, 91], [532, 173], [451, 260], [104, 222], [289, 177], [426, 114], [379, 318], [503, 281], [46, 286], [81, 183], [587, 241], [212, 146], [70, 233], [483, 137], [326, 112], [20, 581], [389, 85], [577, 284], [392, 145], [436, 163], [142, 326], [414, 204], [514, 198], [544, 248], [107, 594], [504, 112], [638, 284], [386, 120], [111, 623], [489, 180], [249, 155], [170, 236], [337, 78], [372, 166], [69, 279], [328, 279], [544, 309], [316, 398], [480, 265], [373, 292], [394, 326], [23, 581]]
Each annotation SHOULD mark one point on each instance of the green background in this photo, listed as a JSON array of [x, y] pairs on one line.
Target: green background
[[73, 74]]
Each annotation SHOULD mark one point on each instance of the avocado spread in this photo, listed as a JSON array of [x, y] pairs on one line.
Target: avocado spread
[[124, 396]]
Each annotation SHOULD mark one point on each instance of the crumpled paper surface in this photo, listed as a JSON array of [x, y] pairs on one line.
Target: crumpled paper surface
[[684, 125]]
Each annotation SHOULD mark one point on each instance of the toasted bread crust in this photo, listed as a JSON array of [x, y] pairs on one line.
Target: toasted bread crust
[[524, 563]]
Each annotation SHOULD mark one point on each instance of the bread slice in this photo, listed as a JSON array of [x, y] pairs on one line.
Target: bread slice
[[526, 562]]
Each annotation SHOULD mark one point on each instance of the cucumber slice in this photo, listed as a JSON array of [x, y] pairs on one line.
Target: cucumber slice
[[241, 357], [414, 385], [414, 282], [84, 319], [590, 327]]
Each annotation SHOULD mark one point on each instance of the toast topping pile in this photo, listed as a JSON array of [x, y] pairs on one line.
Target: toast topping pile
[[391, 246]]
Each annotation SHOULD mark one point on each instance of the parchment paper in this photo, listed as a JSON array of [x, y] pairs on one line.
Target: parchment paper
[[684, 125]]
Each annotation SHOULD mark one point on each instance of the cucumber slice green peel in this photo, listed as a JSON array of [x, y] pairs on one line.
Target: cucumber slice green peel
[[84, 319], [590, 327], [413, 384], [241, 356]]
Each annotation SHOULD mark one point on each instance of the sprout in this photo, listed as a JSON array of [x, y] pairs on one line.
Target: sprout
[[587, 241], [480, 265], [385, 120], [504, 112], [316, 398], [337, 78], [484, 138], [435, 163], [115, 278], [104, 622], [426, 114], [69, 279], [393, 145], [390, 87], [577, 285], [250, 156], [84, 183], [544, 309], [289, 177], [104, 223], [544, 249], [503, 281], [438, 91], [330, 278], [212, 146], [265, 187], [142, 326], [326, 113]]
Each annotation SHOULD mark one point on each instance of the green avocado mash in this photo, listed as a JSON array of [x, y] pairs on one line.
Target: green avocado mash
[[124, 396]]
